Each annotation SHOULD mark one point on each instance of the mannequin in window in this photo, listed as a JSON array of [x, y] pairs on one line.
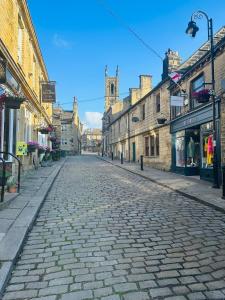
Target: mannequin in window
[[191, 151]]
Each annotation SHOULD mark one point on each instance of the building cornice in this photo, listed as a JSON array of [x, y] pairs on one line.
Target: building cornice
[[33, 35]]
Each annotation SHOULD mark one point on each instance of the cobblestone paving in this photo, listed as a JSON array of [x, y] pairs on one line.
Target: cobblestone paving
[[104, 233]]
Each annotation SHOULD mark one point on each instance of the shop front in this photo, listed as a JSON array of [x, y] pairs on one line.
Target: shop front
[[192, 143]]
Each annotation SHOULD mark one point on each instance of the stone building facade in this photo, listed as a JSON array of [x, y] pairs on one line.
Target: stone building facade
[[171, 137], [139, 125], [68, 129], [25, 71], [91, 140], [192, 124]]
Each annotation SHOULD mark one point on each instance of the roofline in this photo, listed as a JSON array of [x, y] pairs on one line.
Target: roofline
[[141, 99]]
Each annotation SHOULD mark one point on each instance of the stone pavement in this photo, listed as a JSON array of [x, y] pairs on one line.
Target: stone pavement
[[18, 214], [105, 233], [191, 187]]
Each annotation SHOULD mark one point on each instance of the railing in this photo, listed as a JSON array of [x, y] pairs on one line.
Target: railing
[[19, 167]]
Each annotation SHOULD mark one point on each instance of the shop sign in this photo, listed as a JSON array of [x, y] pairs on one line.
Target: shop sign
[[2, 70], [21, 148], [8, 170], [177, 101], [48, 91]]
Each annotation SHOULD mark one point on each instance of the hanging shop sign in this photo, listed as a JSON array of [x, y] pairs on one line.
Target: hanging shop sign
[[2, 70], [177, 101], [21, 148], [48, 91]]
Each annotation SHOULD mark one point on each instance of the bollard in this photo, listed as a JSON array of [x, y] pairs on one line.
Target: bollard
[[142, 167], [223, 170], [112, 155], [121, 158]]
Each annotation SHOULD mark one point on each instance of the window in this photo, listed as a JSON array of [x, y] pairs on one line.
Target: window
[[146, 146], [20, 41], [157, 144], [112, 88], [143, 111], [152, 145], [197, 85], [158, 103]]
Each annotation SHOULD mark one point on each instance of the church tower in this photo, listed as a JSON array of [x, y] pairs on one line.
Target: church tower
[[111, 89]]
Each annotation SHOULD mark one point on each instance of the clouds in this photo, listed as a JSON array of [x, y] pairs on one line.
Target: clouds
[[93, 119], [60, 42]]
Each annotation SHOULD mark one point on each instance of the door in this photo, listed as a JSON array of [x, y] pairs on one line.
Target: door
[[134, 152]]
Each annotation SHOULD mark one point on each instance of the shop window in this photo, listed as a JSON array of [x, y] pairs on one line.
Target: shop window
[[152, 145], [143, 111], [146, 146], [207, 145], [158, 103], [193, 147], [196, 86], [180, 149]]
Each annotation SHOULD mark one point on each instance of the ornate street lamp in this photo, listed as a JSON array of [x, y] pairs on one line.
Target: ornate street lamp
[[192, 29]]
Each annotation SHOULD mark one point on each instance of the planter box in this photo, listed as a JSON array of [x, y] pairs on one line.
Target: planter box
[[31, 149], [161, 120], [13, 102]]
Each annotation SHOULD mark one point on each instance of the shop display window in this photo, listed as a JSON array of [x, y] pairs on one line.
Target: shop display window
[[193, 147], [180, 149], [207, 145]]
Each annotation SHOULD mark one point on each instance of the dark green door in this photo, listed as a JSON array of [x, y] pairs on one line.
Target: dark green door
[[134, 152]]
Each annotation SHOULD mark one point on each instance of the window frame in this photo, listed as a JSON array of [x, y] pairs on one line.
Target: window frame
[[147, 145], [158, 102], [193, 103]]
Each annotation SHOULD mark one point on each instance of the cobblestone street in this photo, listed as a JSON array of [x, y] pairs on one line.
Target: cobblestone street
[[104, 233]]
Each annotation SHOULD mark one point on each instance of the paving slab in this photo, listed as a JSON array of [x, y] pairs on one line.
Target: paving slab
[[18, 214]]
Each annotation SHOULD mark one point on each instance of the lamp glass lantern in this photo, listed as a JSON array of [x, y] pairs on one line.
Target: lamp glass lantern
[[192, 28]]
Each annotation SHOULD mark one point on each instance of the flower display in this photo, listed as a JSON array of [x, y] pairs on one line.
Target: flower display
[[201, 96]]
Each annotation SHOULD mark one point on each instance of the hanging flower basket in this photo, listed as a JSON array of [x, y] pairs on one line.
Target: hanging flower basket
[[32, 146], [161, 120], [41, 150], [12, 102], [202, 96], [45, 130]]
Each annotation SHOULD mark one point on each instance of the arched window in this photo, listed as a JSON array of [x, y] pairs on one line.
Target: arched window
[[112, 88]]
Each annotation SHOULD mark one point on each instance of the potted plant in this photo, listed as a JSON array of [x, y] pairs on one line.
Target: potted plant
[[32, 146], [202, 96], [12, 102], [161, 120], [45, 130], [11, 184], [41, 149]]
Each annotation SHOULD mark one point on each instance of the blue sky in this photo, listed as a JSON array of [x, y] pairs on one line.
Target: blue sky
[[78, 38]]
